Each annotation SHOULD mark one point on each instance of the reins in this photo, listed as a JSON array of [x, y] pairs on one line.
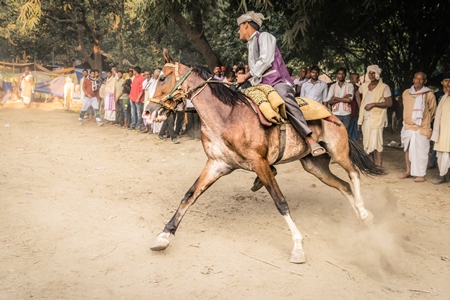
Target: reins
[[177, 95]]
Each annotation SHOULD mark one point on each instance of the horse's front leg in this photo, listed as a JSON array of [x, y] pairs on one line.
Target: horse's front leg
[[267, 177], [212, 171]]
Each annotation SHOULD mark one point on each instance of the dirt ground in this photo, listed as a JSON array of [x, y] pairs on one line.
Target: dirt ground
[[80, 206]]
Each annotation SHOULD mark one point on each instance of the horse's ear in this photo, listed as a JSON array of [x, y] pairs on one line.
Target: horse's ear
[[168, 58]]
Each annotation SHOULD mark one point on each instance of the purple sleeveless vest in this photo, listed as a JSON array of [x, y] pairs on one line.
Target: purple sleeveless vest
[[280, 73]]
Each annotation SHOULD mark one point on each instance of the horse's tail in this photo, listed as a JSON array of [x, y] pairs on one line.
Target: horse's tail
[[361, 159]]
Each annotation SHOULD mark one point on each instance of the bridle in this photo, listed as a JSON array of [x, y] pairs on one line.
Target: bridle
[[179, 81], [176, 94]]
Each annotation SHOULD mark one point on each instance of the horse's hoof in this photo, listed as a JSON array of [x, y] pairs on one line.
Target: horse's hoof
[[161, 243], [257, 185], [297, 257], [368, 220]]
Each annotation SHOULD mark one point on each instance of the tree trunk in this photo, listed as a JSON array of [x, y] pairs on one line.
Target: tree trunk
[[119, 34], [199, 39]]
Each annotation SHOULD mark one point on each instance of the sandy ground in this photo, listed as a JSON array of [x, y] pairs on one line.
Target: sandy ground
[[80, 206]]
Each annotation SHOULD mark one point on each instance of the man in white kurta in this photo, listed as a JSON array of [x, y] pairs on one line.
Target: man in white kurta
[[27, 87], [419, 107], [441, 133], [110, 103], [376, 98], [69, 89]]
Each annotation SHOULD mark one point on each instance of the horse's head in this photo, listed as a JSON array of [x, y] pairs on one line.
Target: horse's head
[[170, 87]]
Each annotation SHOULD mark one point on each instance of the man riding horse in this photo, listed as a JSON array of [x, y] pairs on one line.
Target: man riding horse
[[267, 66]]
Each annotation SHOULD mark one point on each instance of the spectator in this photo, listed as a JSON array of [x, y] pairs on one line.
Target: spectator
[[192, 121], [340, 95], [419, 107], [110, 103], [27, 87], [137, 99], [69, 89], [90, 89], [432, 161], [218, 74], [179, 118], [376, 98], [314, 88], [229, 77], [441, 133], [299, 81], [240, 86], [353, 128], [168, 125], [118, 99], [125, 97]]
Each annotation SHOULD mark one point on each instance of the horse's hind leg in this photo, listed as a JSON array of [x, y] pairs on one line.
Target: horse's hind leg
[[266, 176], [212, 171], [319, 167]]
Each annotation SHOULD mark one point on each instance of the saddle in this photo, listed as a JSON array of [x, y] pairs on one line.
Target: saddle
[[273, 108]]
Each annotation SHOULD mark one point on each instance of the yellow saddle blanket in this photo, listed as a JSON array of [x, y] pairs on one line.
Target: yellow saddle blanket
[[273, 107]]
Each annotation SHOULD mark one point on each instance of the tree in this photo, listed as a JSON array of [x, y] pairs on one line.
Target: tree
[[189, 16], [93, 20], [403, 37]]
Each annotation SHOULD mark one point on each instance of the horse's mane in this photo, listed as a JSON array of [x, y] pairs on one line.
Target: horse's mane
[[221, 91]]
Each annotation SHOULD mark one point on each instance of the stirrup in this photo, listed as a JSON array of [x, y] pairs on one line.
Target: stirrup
[[316, 147]]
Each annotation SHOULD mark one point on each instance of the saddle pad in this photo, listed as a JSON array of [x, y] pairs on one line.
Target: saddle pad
[[312, 110]]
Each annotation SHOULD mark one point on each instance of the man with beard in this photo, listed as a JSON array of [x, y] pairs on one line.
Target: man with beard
[[375, 100], [314, 88], [419, 107], [340, 95]]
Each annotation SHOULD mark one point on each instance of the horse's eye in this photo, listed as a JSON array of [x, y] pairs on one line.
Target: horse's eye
[[162, 78]]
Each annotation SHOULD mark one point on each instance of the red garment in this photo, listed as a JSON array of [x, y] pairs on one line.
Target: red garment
[[87, 89], [137, 89]]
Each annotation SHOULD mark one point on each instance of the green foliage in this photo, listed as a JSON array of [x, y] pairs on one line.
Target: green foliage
[[400, 36]]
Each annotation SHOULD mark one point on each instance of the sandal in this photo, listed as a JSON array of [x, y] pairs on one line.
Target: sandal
[[316, 149]]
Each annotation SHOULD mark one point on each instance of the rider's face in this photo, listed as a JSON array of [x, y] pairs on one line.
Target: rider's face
[[243, 32]]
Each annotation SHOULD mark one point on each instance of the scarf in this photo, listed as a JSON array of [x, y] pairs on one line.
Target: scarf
[[437, 118], [345, 106], [94, 83], [419, 104]]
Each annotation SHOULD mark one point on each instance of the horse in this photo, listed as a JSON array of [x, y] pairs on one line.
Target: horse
[[234, 138]]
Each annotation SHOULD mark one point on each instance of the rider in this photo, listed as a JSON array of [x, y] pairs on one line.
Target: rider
[[267, 66]]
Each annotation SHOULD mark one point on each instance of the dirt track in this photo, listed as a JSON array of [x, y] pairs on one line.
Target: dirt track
[[81, 206]]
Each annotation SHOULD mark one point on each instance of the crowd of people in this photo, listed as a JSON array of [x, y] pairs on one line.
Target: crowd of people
[[122, 99]]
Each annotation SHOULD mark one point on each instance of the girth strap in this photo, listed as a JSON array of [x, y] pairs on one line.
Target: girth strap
[[282, 142]]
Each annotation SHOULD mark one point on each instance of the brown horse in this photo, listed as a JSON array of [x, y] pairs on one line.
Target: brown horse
[[233, 138]]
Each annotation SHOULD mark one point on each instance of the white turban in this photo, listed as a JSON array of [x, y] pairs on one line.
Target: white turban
[[251, 16], [376, 69]]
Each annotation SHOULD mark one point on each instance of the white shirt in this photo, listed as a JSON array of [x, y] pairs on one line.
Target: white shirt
[[318, 91], [260, 59], [340, 91], [300, 82]]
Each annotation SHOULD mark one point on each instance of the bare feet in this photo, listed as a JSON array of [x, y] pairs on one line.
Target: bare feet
[[419, 179], [404, 175]]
